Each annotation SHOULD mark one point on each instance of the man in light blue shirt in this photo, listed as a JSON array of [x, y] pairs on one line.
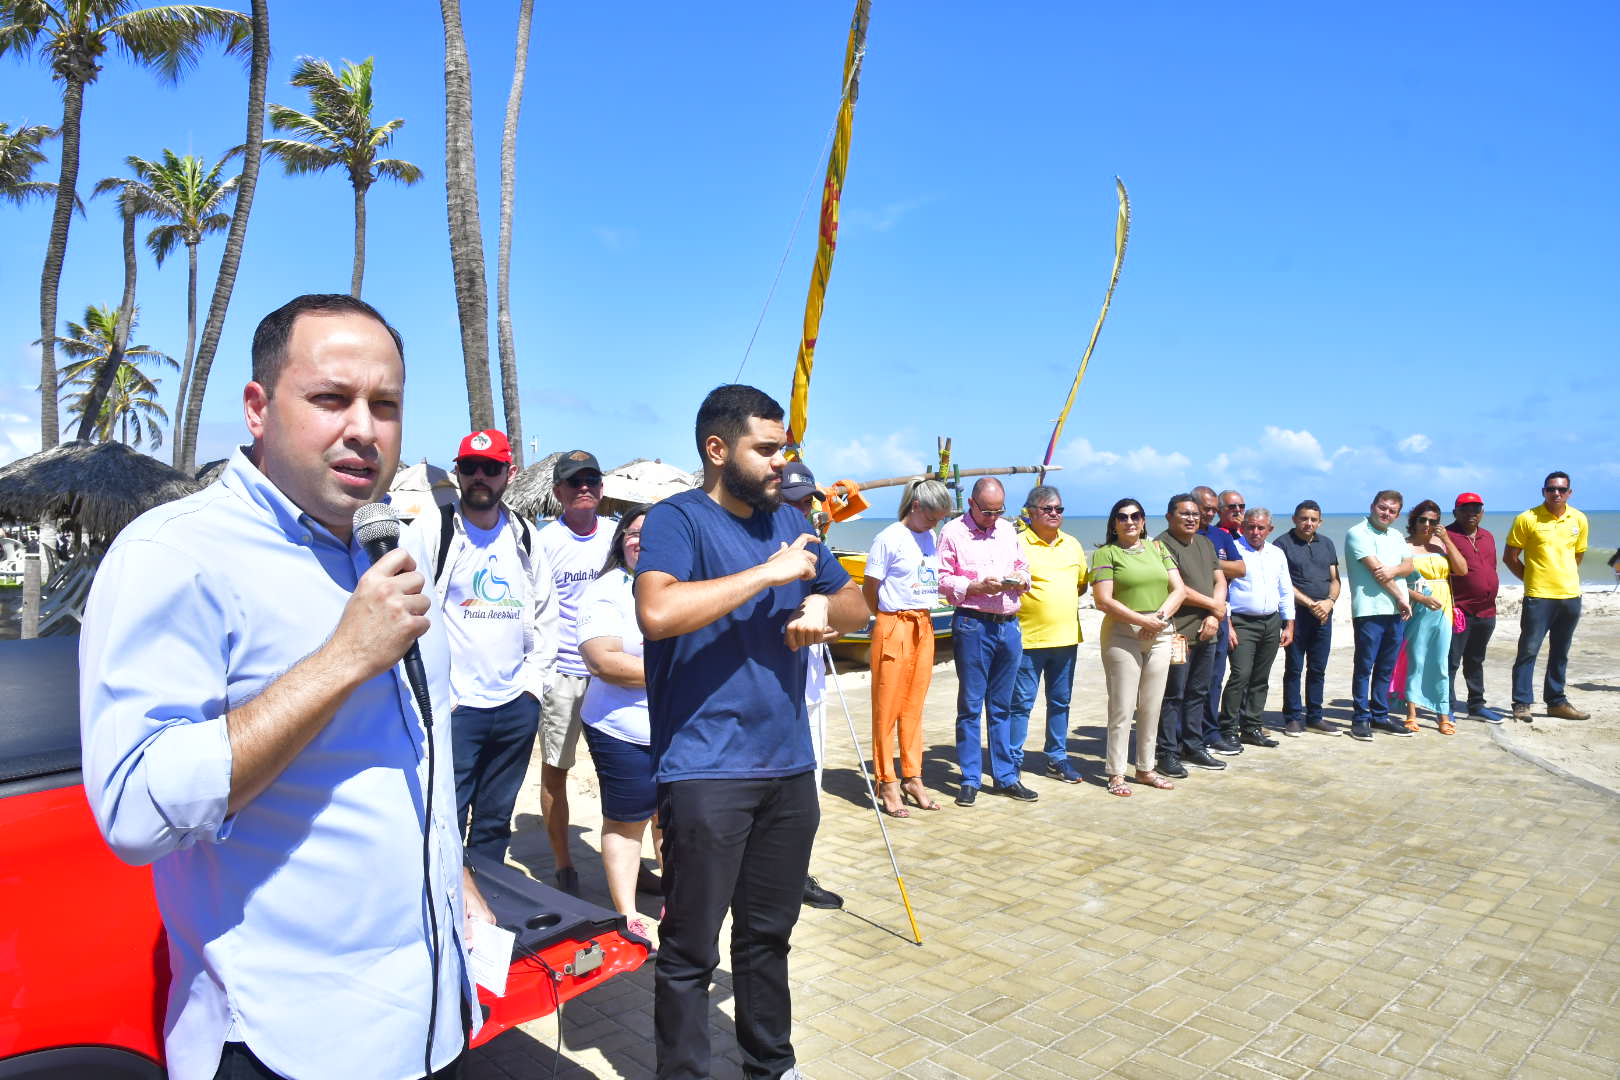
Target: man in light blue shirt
[[1261, 602], [1377, 560], [247, 730]]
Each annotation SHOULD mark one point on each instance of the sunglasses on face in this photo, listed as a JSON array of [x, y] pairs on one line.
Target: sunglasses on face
[[990, 511], [1428, 521], [583, 481], [474, 466], [1237, 506], [1124, 516], [1050, 510], [1556, 490]]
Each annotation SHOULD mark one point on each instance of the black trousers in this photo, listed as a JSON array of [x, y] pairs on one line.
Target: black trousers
[[1468, 648], [1186, 691], [742, 846], [1244, 700], [236, 1062]]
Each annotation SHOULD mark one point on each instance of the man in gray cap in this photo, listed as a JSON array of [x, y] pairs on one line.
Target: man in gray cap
[[575, 547], [799, 489]]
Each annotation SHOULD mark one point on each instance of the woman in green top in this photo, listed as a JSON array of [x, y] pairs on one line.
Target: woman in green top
[[1137, 588]]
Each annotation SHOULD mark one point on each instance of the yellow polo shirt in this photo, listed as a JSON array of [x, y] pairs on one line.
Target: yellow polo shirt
[[1550, 545], [1049, 614]]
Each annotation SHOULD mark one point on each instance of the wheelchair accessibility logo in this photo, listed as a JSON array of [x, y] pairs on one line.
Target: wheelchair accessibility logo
[[490, 590]]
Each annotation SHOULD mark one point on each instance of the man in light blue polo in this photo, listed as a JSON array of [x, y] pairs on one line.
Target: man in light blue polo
[[1379, 607]]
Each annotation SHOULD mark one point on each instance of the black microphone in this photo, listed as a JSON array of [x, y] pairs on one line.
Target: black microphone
[[376, 527]]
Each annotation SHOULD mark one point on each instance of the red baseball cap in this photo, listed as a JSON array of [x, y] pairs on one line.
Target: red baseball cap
[[489, 444], [1468, 497]]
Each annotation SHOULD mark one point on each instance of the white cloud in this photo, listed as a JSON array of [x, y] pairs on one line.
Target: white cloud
[[1142, 461], [1415, 444], [866, 457]]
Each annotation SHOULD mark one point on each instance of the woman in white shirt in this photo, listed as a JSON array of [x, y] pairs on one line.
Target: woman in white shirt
[[614, 711], [901, 589]]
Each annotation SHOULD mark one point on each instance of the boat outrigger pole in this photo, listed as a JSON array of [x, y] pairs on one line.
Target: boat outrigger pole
[[1122, 233]]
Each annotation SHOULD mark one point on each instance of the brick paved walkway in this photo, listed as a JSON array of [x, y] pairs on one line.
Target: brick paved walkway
[[1424, 908]]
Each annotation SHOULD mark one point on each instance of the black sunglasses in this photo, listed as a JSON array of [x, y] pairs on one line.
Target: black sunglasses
[[1123, 516], [1049, 509], [1428, 521], [474, 466], [1555, 490], [583, 481]]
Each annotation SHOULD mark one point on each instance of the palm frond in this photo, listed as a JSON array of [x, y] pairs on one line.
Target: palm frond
[[302, 157], [395, 169], [170, 39]]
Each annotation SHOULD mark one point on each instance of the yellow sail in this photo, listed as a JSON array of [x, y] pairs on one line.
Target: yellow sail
[[832, 193], [1122, 233]]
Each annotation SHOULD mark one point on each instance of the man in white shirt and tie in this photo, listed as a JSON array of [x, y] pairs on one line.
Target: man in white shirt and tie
[[1262, 606]]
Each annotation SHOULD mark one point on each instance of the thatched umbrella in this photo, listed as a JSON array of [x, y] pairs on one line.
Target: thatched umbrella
[[99, 487], [529, 494], [420, 489], [210, 471]]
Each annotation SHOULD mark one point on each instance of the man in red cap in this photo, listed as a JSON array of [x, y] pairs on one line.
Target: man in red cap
[[500, 614], [1474, 594]]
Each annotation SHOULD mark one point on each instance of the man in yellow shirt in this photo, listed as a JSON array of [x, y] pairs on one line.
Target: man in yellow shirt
[[1544, 550], [1049, 619]]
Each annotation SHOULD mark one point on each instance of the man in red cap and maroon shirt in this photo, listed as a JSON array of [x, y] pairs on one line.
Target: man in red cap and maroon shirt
[[1474, 593]]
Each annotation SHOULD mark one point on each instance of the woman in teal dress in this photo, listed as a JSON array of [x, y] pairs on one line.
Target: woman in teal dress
[[1435, 559]]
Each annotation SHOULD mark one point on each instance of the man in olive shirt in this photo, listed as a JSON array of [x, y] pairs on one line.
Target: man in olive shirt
[[1199, 620], [1544, 550], [1313, 568]]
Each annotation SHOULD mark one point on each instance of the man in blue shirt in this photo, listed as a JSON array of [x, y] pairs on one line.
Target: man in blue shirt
[[731, 587], [248, 731], [1228, 505]]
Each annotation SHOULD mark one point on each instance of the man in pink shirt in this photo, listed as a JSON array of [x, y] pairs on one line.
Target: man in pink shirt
[[982, 571]]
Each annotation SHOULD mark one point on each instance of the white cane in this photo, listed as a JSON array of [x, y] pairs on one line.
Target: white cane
[[860, 760]]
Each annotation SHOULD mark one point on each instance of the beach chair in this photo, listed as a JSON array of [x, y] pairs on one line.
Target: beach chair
[[61, 607]]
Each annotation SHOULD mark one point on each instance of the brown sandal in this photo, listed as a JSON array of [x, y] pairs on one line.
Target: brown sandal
[[1154, 780]]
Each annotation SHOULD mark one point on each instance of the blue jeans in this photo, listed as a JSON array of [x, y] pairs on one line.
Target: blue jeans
[[1378, 645], [491, 748], [1306, 655], [1057, 665], [1539, 618], [987, 658], [1211, 720]]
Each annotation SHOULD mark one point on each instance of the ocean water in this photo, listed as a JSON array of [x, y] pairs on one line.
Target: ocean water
[[857, 535]]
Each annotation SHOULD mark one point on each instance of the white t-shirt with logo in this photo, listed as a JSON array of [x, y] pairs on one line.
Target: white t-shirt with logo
[[906, 567], [483, 617], [608, 610], [575, 562]]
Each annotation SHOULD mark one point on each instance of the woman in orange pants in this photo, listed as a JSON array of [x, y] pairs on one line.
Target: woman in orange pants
[[902, 588]]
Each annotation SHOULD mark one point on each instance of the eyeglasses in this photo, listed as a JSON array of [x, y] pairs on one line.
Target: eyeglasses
[[1556, 490], [1123, 516], [1049, 510], [474, 466], [1428, 521], [583, 481], [989, 511], [1237, 506]]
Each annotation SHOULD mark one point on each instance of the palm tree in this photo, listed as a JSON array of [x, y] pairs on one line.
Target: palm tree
[[337, 131], [185, 455], [130, 409], [503, 258], [466, 237], [129, 209], [186, 194], [19, 154], [73, 35]]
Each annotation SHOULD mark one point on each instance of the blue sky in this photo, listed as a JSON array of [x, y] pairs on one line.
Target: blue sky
[[1371, 247]]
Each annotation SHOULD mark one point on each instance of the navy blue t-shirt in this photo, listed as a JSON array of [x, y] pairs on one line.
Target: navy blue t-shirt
[[1225, 543], [727, 700]]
